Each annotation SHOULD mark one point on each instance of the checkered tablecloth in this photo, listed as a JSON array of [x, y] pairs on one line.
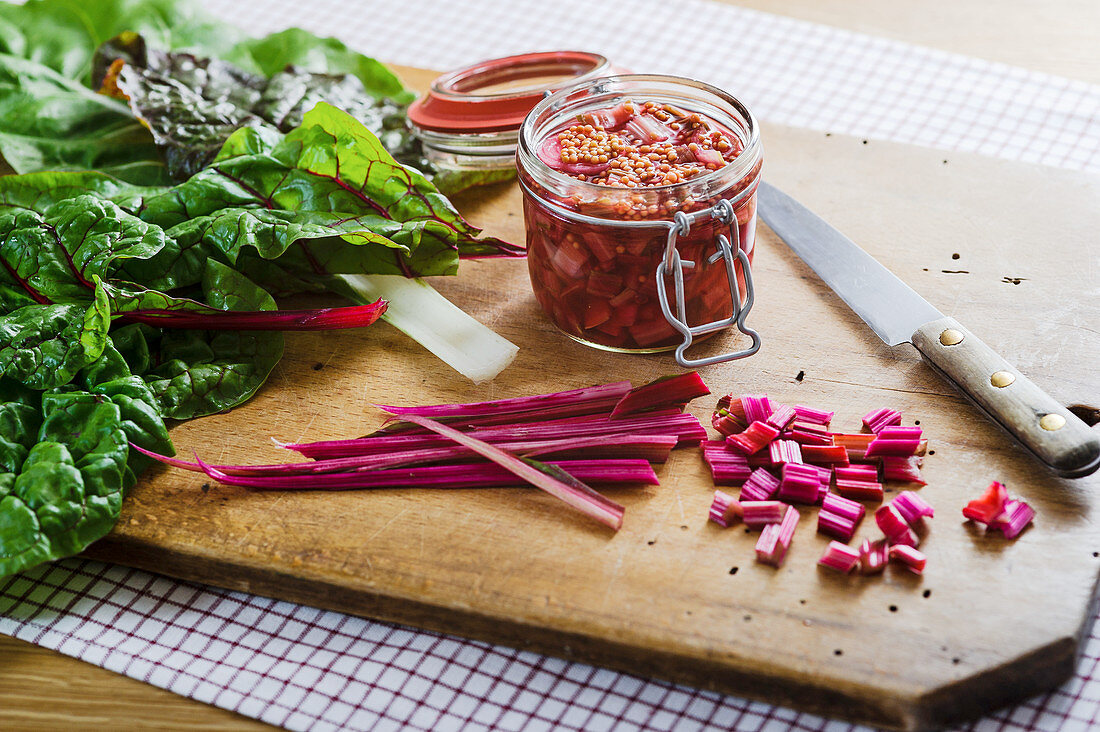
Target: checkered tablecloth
[[304, 668]]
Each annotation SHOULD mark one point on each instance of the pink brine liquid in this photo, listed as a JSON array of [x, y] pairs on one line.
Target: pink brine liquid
[[634, 161]]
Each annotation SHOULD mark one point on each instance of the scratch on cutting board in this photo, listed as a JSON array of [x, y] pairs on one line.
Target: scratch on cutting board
[[244, 537], [328, 360], [611, 582], [305, 430], [920, 392], [385, 526]]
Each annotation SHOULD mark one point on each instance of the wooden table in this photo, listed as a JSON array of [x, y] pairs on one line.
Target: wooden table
[[42, 689]]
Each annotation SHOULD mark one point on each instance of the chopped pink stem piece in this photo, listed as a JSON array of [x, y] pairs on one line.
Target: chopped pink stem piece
[[894, 448], [824, 475], [856, 443], [723, 508], [781, 416], [815, 416], [859, 489], [755, 437], [876, 420], [799, 484], [849, 509], [1014, 519], [729, 474], [825, 454], [726, 424], [757, 407], [865, 473], [808, 434], [903, 468], [835, 525], [760, 486], [726, 467], [873, 556], [839, 557], [784, 451], [913, 559], [912, 507], [989, 506], [775, 539], [724, 420], [890, 521], [757, 514], [900, 433]]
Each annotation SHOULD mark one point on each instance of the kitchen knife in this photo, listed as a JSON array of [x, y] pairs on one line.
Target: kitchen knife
[[899, 315]]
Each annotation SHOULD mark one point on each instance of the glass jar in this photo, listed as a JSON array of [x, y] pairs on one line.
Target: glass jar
[[469, 119], [628, 269]]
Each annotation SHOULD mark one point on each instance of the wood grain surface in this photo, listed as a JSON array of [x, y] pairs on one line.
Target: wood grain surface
[[39, 685], [514, 566], [43, 690]]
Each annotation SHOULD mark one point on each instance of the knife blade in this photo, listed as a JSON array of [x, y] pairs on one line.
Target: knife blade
[[899, 315]]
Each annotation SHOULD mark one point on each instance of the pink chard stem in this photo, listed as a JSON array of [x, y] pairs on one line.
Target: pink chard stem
[[574, 493]]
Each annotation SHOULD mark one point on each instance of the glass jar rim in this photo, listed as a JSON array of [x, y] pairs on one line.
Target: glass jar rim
[[736, 168]]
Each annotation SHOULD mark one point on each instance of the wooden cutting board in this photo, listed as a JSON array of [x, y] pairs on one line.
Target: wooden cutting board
[[1010, 250]]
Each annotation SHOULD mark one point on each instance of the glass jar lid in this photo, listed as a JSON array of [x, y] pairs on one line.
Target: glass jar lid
[[496, 95]]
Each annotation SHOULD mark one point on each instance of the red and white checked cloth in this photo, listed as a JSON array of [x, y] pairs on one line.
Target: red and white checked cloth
[[303, 668]]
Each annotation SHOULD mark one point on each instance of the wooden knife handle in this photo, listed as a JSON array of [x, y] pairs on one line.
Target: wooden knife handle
[[1046, 428]]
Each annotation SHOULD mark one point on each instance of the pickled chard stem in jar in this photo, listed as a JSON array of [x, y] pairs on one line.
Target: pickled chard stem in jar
[[605, 167]]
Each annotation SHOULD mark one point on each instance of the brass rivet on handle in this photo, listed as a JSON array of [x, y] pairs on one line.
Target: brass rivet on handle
[[1052, 422], [1001, 379], [951, 337]]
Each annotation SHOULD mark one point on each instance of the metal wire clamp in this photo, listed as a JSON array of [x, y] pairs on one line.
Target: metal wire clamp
[[673, 265]]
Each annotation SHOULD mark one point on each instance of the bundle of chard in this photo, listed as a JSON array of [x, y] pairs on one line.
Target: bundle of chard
[[605, 435], [782, 455]]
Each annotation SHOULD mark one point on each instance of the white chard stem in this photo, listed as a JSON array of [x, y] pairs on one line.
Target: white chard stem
[[433, 321]]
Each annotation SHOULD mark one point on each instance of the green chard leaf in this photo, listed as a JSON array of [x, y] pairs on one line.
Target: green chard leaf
[[68, 491], [191, 104], [301, 49], [192, 373], [44, 346], [192, 79], [76, 262], [139, 409], [56, 256], [64, 34], [20, 418], [65, 460], [332, 164], [50, 122], [38, 191]]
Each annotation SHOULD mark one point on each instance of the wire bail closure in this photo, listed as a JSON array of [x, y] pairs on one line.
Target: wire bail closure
[[674, 265]]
